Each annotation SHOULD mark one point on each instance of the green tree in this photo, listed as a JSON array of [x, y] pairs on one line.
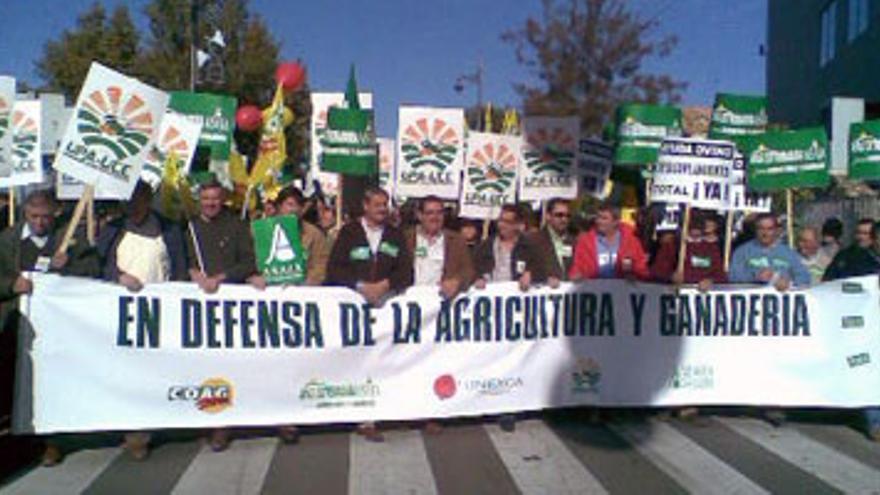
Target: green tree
[[587, 56], [113, 42]]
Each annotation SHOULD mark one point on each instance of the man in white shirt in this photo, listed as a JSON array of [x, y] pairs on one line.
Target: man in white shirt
[[440, 256]]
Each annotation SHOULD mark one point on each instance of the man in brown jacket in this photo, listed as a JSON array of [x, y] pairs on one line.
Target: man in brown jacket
[[555, 242], [441, 256], [290, 201]]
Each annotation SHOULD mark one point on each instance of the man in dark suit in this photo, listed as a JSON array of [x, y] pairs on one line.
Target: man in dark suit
[[556, 241]]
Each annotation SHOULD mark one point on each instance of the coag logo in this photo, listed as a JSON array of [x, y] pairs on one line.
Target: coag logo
[[496, 168], [550, 150], [24, 140], [116, 121], [586, 376], [431, 143], [213, 396]]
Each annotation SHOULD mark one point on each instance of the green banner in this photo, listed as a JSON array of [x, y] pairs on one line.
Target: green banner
[[787, 159], [735, 116], [349, 143], [217, 114], [864, 150], [641, 129], [279, 251]]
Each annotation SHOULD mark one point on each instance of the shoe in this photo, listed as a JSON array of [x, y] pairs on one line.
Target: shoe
[[433, 428], [288, 434], [370, 432], [775, 417], [507, 423], [219, 440], [137, 446], [690, 413], [51, 456]]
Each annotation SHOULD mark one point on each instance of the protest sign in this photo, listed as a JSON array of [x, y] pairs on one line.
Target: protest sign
[[594, 166], [864, 150], [27, 156], [695, 172], [387, 155], [786, 159], [179, 135], [214, 113], [641, 129], [490, 177], [349, 140], [734, 116], [278, 249], [430, 151], [321, 103], [741, 199], [115, 121], [7, 102], [312, 355], [550, 152]]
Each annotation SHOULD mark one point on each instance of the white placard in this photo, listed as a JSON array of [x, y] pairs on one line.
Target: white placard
[[550, 150], [490, 174], [430, 152]]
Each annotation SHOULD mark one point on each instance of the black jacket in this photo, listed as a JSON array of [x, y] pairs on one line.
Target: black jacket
[[852, 261]]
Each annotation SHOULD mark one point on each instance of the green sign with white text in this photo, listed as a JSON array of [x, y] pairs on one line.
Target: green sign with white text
[[641, 130], [734, 116], [864, 150], [787, 159], [217, 115], [279, 251]]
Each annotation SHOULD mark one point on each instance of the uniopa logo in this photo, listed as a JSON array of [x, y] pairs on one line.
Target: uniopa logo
[[212, 396]]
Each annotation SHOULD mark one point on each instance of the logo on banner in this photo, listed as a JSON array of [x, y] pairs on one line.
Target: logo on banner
[[693, 377], [431, 145], [550, 151], [765, 155], [724, 115], [445, 387], [116, 121], [24, 140], [214, 395], [496, 168], [586, 376], [345, 394]]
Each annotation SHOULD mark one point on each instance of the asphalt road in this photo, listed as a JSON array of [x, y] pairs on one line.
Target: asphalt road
[[551, 453]]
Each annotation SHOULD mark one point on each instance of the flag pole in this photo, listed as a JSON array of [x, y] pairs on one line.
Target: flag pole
[[90, 221], [11, 206], [86, 197], [682, 246]]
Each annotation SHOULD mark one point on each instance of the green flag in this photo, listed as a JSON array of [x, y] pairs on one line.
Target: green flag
[[279, 251], [864, 150], [641, 129], [217, 115], [734, 116], [788, 159], [349, 143]]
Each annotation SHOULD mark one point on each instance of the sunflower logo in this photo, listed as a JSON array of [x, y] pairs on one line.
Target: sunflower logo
[[492, 167], [550, 150], [430, 143], [170, 140], [121, 123], [24, 140]]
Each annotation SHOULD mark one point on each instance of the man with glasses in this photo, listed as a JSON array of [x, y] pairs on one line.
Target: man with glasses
[[765, 260], [507, 255], [557, 241], [441, 257]]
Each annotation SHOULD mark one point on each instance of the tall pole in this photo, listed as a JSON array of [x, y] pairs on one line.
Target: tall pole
[[193, 34]]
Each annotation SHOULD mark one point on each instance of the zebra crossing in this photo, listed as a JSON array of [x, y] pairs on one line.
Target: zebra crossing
[[543, 455]]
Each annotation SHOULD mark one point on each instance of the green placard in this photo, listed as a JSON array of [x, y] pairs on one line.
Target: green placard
[[787, 159], [279, 251], [217, 114], [735, 116], [349, 143], [864, 150], [641, 129]]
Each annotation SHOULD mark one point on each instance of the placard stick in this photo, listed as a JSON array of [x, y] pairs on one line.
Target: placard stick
[[11, 206], [196, 246], [728, 233], [543, 213], [682, 246], [648, 183], [339, 186], [486, 223], [90, 221], [87, 195], [789, 216]]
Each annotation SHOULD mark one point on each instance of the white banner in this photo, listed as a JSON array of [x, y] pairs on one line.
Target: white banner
[[321, 102], [178, 133], [69, 189], [27, 151], [490, 177], [7, 102], [104, 358], [550, 150], [693, 171], [740, 198], [114, 123], [430, 152], [386, 165], [594, 167]]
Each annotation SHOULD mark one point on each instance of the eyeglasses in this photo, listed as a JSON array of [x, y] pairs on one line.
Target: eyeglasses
[[562, 215]]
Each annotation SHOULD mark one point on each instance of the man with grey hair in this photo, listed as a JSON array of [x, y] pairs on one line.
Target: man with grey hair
[[812, 255]]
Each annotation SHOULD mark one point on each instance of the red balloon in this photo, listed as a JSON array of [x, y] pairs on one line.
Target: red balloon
[[290, 75], [249, 118]]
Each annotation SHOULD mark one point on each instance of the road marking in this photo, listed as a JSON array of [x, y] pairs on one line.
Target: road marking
[[539, 462], [692, 466], [73, 475], [839, 470], [239, 470], [397, 465]]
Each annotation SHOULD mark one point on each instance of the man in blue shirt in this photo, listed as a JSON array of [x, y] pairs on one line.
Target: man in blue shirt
[[765, 260]]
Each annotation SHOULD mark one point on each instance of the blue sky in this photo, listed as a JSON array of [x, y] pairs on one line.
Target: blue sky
[[412, 51]]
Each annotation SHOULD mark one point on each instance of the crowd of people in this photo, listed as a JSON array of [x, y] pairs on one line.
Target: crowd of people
[[383, 251]]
